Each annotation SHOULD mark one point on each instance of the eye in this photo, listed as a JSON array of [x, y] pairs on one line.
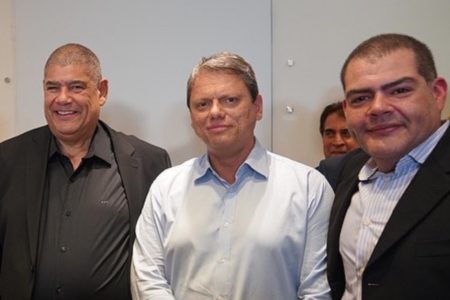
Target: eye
[[358, 100], [229, 101], [77, 87], [51, 88], [345, 133], [202, 105], [400, 90], [329, 133]]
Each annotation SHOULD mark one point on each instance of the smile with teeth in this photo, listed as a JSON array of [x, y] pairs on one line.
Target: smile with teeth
[[65, 112]]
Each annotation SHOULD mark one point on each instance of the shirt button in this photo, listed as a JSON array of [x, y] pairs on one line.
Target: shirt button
[[68, 213], [59, 289], [63, 249], [222, 261], [367, 222], [226, 224]]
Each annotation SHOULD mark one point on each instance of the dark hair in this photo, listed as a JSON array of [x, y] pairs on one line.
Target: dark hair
[[335, 107], [77, 54], [227, 62], [383, 44]]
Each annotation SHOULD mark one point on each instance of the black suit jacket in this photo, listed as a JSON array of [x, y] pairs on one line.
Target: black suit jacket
[[23, 164], [412, 257], [332, 167]]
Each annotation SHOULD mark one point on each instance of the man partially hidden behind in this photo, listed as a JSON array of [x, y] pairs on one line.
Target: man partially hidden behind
[[336, 138], [239, 222], [71, 192]]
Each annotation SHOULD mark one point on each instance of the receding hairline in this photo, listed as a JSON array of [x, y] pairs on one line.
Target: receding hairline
[[75, 54], [382, 45], [226, 63]]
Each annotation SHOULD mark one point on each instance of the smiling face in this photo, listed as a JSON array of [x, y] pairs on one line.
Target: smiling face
[[223, 114], [72, 102], [336, 138], [389, 107]]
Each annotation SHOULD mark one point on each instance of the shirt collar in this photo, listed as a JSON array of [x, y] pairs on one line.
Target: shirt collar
[[421, 152], [100, 146], [417, 155], [257, 162]]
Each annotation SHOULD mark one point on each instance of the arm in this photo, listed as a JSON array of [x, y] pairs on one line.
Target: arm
[[148, 279], [313, 280]]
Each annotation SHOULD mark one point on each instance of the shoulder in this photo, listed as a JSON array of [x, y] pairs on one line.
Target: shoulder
[[330, 163], [331, 169], [282, 162], [145, 149], [19, 142], [288, 170], [179, 173], [335, 169], [353, 160]]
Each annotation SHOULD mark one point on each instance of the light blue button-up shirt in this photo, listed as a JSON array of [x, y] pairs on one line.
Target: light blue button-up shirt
[[261, 238]]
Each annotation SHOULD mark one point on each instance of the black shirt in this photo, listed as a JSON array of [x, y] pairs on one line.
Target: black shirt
[[84, 236]]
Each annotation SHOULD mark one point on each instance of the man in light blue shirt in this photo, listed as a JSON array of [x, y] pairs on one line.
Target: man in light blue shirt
[[239, 222]]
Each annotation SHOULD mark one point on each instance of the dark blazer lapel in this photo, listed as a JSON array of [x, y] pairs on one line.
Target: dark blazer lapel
[[35, 174], [344, 193], [128, 165], [426, 190], [346, 188], [340, 205]]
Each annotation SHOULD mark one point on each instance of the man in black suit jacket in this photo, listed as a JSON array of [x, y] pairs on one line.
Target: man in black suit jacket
[[71, 192], [389, 235]]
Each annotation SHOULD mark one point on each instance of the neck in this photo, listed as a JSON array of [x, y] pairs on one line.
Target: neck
[[226, 164], [75, 151]]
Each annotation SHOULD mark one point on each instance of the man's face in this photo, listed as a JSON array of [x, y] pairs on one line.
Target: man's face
[[389, 107], [72, 102], [223, 114], [336, 138]]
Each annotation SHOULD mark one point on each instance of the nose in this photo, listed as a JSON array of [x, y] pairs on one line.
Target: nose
[[379, 105], [63, 96], [216, 110], [338, 140]]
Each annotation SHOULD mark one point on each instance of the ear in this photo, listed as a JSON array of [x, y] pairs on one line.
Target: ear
[[439, 90], [103, 90], [258, 103]]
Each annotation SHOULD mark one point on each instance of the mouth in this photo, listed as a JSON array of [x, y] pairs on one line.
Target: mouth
[[217, 128], [338, 152], [383, 129], [65, 113]]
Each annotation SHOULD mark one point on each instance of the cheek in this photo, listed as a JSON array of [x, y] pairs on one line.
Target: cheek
[[47, 100], [355, 121], [196, 122], [327, 143]]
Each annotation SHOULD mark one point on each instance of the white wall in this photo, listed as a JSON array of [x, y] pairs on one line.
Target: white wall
[[7, 75], [318, 35], [147, 49]]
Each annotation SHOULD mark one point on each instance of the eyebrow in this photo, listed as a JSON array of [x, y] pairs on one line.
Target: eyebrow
[[51, 82], [384, 87]]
